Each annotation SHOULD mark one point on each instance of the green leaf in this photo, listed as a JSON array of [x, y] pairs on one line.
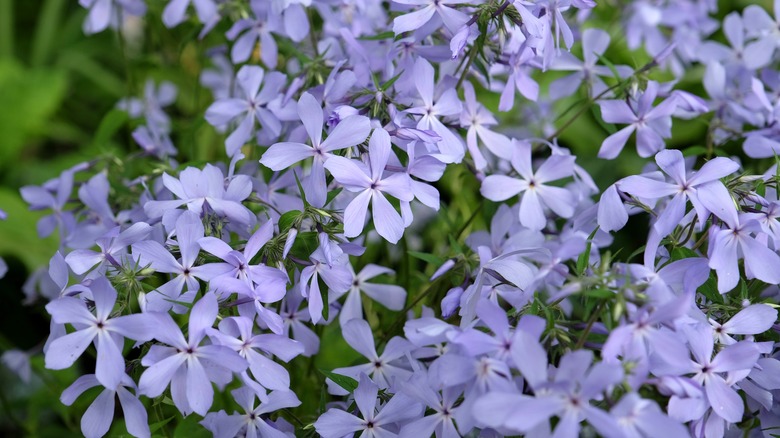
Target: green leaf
[[610, 128], [18, 236], [429, 258], [156, 426], [611, 67], [300, 189], [332, 194], [584, 258], [111, 123], [710, 290], [288, 219], [390, 82], [694, 151], [30, 98], [682, 252], [599, 293], [380, 36], [348, 383], [190, 428]]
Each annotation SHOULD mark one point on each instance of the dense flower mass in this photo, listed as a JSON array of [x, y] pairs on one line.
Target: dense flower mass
[[553, 303]]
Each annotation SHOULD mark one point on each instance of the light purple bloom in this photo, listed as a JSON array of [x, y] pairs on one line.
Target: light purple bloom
[[174, 13], [370, 184], [535, 192], [652, 125], [186, 365], [431, 107], [385, 368], [236, 334], [197, 188], [336, 423], [105, 13], [105, 331], [253, 422], [389, 295], [252, 105], [452, 18], [349, 132], [97, 420]]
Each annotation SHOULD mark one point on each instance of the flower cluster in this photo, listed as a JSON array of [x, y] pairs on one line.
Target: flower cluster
[[195, 284]]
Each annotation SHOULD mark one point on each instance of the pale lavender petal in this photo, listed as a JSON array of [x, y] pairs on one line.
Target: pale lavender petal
[[63, 351], [349, 132], [358, 335], [501, 187], [136, 419], [98, 417], [613, 144], [725, 402], [752, 320]]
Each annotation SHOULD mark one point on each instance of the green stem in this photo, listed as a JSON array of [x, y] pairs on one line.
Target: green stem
[[589, 326]]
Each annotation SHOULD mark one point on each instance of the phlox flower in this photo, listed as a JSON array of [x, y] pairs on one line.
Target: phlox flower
[[370, 184], [532, 185], [185, 364], [105, 331], [336, 423], [349, 132]]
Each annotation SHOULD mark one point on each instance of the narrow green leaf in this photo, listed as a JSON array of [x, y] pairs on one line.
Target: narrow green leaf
[[430, 258], [300, 189], [380, 36], [584, 258], [156, 426], [348, 383], [47, 30], [111, 123], [288, 219]]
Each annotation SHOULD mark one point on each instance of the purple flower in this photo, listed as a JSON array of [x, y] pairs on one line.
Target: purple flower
[[535, 191], [105, 13], [760, 261], [253, 421], [683, 187], [152, 254], [452, 18], [336, 423], [753, 55], [477, 119], [349, 132], [105, 331], [440, 422], [195, 188], [574, 384], [382, 368], [253, 105], [336, 276], [97, 419], [370, 185], [186, 365], [446, 105], [174, 13], [389, 295], [237, 263], [752, 320], [723, 399], [255, 30], [113, 249], [652, 125], [236, 334], [519, 79]]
